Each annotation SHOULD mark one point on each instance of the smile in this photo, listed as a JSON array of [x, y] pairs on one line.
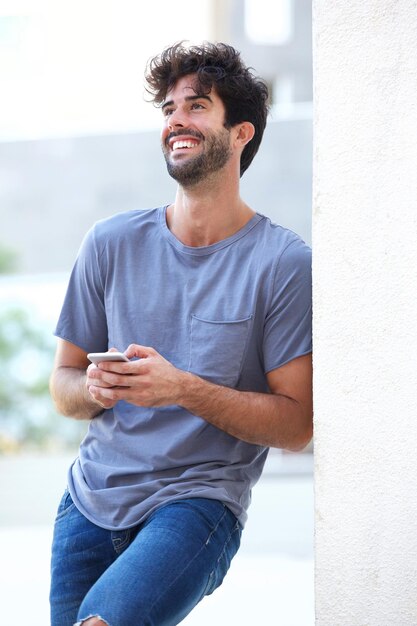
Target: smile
[[184, 144]]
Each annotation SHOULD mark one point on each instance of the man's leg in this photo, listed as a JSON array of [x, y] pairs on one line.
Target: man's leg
[[181, 553], [81, 552]]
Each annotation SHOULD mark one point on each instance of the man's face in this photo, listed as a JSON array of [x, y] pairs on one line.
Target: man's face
[[195, 141]]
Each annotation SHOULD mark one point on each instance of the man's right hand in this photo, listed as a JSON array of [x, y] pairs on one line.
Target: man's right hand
[[69, 383], [94, 383]]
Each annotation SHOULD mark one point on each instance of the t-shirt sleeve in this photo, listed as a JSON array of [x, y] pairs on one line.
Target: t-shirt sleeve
[[83, 317], [288, 325]]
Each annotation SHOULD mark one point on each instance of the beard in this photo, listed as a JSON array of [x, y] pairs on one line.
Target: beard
[[193, 170]]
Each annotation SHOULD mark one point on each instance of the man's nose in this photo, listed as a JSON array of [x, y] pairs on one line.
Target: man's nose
[[176, 119]]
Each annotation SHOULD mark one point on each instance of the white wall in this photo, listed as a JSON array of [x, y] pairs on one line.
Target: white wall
[[365, 311]]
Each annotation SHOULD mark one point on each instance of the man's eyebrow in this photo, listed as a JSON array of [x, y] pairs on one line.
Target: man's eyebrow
[[169, 103]]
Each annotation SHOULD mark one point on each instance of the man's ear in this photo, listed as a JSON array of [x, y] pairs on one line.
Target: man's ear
[[244, 133]]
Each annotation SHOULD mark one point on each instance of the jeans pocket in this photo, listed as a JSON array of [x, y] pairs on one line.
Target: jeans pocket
[[65, 506], [218, 348]]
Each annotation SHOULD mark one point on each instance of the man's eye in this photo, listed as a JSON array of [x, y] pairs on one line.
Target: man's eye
[[197, 105], [167, 112]]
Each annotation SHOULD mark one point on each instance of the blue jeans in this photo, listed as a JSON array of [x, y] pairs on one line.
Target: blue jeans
[[153, 574]]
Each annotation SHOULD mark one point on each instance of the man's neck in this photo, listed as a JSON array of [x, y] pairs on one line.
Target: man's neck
[[208, 213]]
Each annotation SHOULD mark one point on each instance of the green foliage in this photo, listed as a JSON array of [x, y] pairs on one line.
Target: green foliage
[[27, 415], [8, 260]]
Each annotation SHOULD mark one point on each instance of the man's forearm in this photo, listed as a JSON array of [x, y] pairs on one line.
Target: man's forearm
[[70, 395], [259, 418], [282, 418]]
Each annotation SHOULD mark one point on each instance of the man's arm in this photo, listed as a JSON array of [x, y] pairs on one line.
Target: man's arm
[[282, 418], [68, 383]]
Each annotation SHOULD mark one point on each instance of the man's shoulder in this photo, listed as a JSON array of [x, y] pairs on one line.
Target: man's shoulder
[[278, 240], [126, 222]]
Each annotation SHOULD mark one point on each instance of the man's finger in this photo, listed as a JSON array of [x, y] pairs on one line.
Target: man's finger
[[141, 352]]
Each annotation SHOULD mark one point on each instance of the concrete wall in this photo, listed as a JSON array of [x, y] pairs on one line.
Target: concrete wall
[[365, 311]]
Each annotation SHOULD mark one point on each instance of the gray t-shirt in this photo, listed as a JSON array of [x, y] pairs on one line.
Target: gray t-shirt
[[229, 312]]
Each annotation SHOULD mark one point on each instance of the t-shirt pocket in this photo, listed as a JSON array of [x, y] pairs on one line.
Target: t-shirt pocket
[[218, 348]]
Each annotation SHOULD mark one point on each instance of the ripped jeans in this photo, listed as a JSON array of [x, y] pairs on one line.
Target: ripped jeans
[[153, 574]]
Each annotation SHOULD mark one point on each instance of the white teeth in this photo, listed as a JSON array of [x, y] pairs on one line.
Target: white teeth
[[183, 144]]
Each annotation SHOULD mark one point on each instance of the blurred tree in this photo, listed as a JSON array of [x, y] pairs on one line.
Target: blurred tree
[[27, 415], [8, 260]]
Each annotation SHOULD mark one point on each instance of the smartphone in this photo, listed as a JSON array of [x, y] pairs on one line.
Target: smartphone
[[98, 357]]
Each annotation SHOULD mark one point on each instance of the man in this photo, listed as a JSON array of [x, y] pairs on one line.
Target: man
[[211, 303]]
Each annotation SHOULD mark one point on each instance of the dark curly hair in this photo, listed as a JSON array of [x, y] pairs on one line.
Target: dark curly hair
[[243, 94]]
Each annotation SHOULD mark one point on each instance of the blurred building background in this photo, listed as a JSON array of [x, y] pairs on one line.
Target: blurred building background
[[78, 142]]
